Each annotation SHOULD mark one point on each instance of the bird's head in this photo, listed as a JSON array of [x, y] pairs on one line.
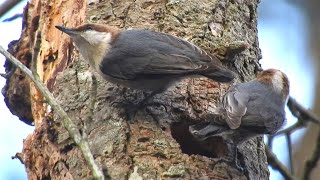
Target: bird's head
[[93, 34], [92, 40], [277, 80]]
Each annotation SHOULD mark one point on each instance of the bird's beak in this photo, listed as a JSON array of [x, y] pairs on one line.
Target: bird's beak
[[67, 30]]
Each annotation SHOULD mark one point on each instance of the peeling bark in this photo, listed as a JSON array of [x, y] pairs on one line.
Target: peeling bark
[[156, 144], [40, 16]]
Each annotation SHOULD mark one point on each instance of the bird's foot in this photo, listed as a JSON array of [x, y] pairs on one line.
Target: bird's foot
[[129, 107]]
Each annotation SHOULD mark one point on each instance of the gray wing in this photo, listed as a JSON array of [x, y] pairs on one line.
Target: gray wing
[[141, 52], [235, 106], [255, 107]]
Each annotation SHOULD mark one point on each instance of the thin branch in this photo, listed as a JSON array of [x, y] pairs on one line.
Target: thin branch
[[302, 113], [304, 116], [67, 122], [289, 144], [312, 162], [7, 6], [4, 75], [291, 129], [93, 95], [275, 163], [18, 156], [14, 17]]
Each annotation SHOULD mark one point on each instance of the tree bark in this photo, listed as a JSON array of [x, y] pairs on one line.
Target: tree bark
[[156, 144]]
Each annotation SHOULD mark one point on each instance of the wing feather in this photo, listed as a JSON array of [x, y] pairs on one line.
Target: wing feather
[[153, 53], [235, 105]]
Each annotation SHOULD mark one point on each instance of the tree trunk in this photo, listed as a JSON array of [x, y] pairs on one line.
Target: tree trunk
[[156, 144]]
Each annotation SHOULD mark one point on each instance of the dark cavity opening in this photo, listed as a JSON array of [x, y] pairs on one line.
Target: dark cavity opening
[[211, 147]]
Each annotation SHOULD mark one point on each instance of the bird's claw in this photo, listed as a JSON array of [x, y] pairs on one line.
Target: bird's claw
[[130, 108]]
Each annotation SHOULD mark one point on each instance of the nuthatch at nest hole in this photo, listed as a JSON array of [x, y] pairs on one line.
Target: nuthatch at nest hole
[[248, 110], [142, 59]]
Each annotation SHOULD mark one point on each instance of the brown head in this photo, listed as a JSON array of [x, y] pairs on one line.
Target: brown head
[[92, 40], [277, 79], [87, 28]]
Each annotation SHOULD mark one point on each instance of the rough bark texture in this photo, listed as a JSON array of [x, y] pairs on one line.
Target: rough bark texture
[[156, 144], [22, 98]]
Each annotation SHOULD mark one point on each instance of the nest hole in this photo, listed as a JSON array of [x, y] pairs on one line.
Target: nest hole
[[211, 147]]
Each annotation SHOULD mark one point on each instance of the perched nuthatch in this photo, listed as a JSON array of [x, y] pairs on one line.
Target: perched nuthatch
[[142, 59], [247, 110]]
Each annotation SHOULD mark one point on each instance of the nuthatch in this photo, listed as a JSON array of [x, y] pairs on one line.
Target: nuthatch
[[142, 59], [248, 110]]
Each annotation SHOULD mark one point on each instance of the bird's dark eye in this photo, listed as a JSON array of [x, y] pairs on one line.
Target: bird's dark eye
[[89, 28]]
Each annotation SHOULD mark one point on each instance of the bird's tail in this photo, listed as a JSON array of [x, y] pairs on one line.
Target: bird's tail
[[219, 74]]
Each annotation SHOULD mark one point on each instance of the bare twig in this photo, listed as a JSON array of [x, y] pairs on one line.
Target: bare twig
[[304, 116], [18, 156], [4, 75], [67, 122], [7, 6], [291, 129], [302, 113], [275, 163], [93, 94], [16, 16], [289, 144], [312, 162]]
